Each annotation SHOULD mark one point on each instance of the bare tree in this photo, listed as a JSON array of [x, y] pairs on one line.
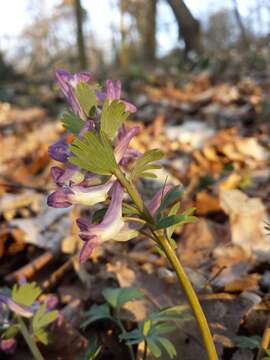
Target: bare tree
[[189, 27], [241, 25], [149, 33], [80, 35]]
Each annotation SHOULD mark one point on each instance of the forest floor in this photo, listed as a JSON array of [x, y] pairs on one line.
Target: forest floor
[[215, 136]]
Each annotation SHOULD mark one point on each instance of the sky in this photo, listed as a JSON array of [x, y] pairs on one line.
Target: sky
[[14, 16]]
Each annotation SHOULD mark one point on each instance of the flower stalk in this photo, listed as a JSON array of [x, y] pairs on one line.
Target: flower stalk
[[29, 340], [176, 264]]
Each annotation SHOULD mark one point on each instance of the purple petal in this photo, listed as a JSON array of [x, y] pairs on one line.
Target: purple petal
[[87, 249], [129, 107], [113, 92], [83, 224], [109, 227], [8, 346], [59, 151], [60, 198], [82, 76], [122, 146], [90, 195], [21, 310], [89, 126], [63, 78], [130, 154], [154, 204], [52, 302], [57, 173]]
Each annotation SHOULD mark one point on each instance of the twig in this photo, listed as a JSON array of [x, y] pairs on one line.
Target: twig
[[31, 268], [24, 186], [57, 275]]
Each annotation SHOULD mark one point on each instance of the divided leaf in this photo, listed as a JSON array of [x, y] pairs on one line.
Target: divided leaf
[[93, 153], [248, 342], [25, 294], [171, 196], [118, 297], [170, 229], [151, 329], [41, 319], [173, 220], [112, 117], [86, 97], [72, 122], [96, 312], [10, 332], [144, 164]]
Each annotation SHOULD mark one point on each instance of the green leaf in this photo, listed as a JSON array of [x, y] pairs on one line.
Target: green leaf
[[248, 342], [129, 209], [171, 196], [175, 219], [96, 312], [112, 116], [118, 297], [25, 294], [168, 346], [93, 153], [170, 230], [145, 163], [10, 332], [171, 313], [72, 122], [42, 336], [154, 348], [43, 318], [86, 97]]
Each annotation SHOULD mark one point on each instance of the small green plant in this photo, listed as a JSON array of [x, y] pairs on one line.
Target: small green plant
[[93, 351], [252, 343], [150, 331], [23, 313]]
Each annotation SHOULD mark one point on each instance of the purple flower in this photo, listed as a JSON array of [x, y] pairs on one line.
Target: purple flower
[[59, 151], [113, 92], [121, 148], [76, 194], [112, 227], [8, 346], [18, 309], [68, 176], [68, 83], [51, 302]]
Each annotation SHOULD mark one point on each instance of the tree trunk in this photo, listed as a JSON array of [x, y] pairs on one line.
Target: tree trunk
[[189, 27], [80, 36], [149, 36], [240, 23]]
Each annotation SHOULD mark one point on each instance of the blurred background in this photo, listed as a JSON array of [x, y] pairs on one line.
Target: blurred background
[[199, 73], [131, 36]]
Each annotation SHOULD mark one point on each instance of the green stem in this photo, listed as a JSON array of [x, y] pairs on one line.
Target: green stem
[[145, 351], [176, 264], [130, 348], [192, 298], [29, 340]]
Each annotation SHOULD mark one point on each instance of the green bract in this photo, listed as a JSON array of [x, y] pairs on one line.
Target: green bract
[[25, 294], [72, 122], [93, 153], [86, 97], [144, 164], [112, 117]]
